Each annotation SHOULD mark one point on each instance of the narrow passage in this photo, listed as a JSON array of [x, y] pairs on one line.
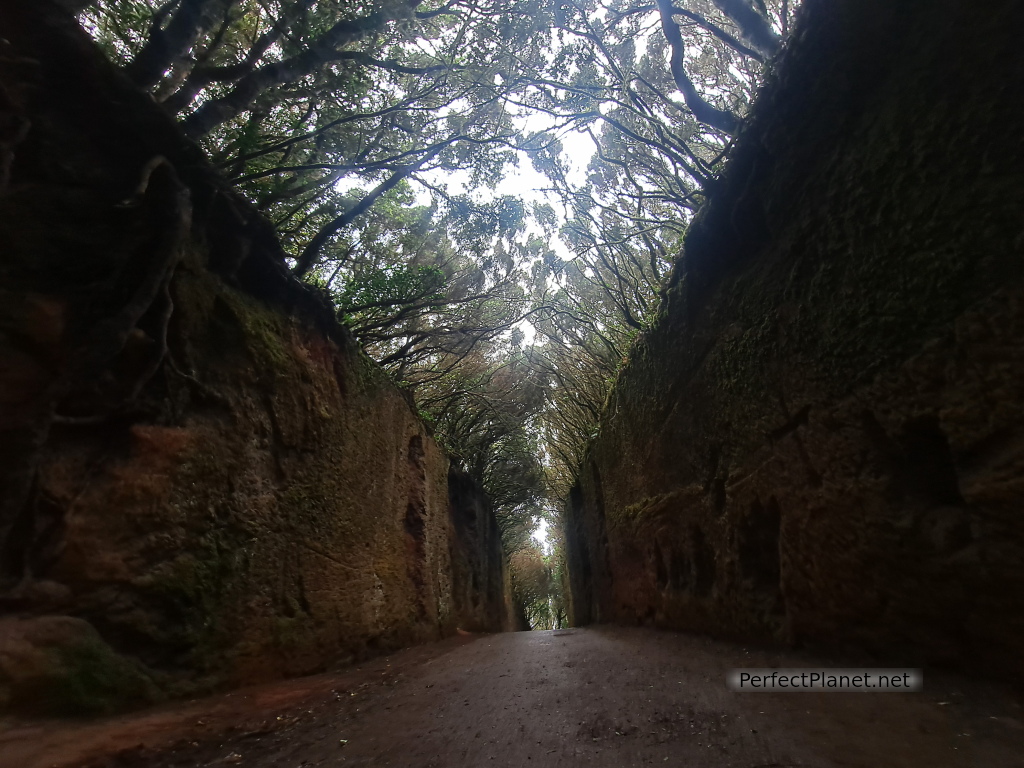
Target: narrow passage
[[604, 696]]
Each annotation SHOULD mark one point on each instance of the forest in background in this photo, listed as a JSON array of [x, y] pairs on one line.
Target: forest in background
[[491, 194]]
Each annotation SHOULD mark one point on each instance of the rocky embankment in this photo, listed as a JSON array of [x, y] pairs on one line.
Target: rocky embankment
[[821, 440], [205, 481]]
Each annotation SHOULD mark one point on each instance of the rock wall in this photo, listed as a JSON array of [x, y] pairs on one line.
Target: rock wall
[[821, 440], [205, 481], [481, 586]]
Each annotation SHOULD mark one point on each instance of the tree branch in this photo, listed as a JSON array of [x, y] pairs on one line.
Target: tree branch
[[165, 46], [705, 112], [753, 26], [307, 259], [247, 89]]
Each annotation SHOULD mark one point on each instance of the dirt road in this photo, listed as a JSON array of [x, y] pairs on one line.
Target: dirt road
[[594, 697]]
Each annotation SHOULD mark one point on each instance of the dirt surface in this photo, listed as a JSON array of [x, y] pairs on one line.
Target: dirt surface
[[594, 697]]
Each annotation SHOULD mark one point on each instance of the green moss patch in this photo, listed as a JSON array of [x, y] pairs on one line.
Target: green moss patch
[[85, 678]]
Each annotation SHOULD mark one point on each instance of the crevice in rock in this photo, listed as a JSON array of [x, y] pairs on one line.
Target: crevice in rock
[[799, 419], [928, 470], [704, 570], [758, 544], [415, 524]]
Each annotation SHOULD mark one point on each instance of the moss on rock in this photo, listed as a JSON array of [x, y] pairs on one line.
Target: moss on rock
[[59, 665]]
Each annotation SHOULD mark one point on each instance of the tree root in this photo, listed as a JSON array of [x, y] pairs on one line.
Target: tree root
[[167, 203]]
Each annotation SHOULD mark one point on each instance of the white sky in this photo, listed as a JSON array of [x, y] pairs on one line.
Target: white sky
[[540, 535], [523, 181]]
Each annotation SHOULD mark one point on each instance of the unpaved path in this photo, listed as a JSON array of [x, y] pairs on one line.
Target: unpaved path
[[596, 697]]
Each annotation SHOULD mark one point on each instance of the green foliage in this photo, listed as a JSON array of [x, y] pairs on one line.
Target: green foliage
[[484, 414], [391, 286], [537, 586], [427, 418]]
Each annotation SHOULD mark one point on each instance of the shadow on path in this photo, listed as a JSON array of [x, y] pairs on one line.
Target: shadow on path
[[604, 696]]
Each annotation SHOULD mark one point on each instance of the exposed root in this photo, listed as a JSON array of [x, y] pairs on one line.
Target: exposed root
[[167, 202]]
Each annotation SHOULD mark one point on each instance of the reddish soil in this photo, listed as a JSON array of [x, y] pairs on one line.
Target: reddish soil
[[595, 697]]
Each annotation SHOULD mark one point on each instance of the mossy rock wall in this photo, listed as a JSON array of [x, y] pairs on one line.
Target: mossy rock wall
[[262, 503], [821, 440]]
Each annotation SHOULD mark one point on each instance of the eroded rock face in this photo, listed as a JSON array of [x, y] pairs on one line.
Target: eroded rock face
[[223, 490], [292, 511], [481, 587], [822, 439]]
